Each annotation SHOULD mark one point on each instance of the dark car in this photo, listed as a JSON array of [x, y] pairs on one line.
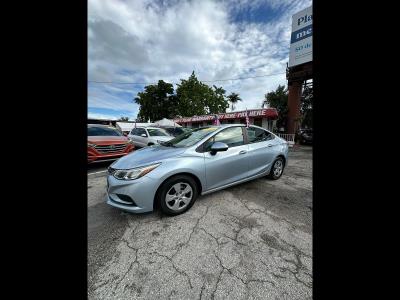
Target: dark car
[[175, 131], [305, 136]]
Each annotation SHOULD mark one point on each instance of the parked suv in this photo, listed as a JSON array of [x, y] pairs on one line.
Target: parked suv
[[147, 136], [106, 143]]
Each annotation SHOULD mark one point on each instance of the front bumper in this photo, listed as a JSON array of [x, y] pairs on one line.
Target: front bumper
[[142, 191]]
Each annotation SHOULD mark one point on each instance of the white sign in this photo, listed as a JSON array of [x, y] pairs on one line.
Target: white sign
[[301, 38]]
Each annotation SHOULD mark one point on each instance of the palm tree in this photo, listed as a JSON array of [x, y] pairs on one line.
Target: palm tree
[[233, 98]]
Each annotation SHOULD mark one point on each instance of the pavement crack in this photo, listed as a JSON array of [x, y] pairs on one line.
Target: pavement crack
[[102, 284], [216, 285], [170, 294], [298, 267], [195, 226], [278, 276], [261, 281], [202, 290], [123, 277], [129, 246], [183, 273], [251, 210]]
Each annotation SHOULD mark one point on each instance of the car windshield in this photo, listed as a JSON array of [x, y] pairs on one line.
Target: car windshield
[[191, 137], [157, 132], [103, 131]]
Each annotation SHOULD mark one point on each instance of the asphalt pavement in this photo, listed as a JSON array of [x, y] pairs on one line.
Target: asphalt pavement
[[251, 241]]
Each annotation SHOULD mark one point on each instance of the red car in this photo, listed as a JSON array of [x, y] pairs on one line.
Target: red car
[[106, 143]]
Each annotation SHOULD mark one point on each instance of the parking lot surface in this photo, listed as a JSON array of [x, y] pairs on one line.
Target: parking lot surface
[[251, 241]]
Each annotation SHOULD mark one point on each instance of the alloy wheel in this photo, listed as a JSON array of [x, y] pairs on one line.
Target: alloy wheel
[[278, 168], [179, 196]]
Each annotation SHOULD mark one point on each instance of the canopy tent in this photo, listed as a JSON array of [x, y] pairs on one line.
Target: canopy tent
[[166, 122], [128, 126]]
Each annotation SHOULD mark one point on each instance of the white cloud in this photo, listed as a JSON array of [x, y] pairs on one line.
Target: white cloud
[[92, 115], [144, 41]]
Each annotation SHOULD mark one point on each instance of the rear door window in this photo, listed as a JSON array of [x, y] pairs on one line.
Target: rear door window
[[256, 135]]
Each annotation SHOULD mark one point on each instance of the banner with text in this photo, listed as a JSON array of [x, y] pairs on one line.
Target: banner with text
[[301, 38]]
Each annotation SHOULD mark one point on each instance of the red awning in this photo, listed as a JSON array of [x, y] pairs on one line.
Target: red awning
[[270, 113]]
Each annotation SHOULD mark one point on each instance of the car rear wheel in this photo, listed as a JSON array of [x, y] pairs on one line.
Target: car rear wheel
[[277, 169], [177, 195]]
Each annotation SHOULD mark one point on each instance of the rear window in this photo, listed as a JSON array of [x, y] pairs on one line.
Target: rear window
[[103, 131]]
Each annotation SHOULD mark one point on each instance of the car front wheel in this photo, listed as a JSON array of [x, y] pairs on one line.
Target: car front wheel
[[177, 195]]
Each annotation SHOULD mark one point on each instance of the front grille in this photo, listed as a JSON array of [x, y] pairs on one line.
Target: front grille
[[110, 148]]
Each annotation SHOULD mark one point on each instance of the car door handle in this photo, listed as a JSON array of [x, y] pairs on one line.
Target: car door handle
[[270, 145], [243, 152]]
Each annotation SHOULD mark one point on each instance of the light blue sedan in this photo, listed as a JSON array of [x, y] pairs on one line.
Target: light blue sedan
[[170, 176]]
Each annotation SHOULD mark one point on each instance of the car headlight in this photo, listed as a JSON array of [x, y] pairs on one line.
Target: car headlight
[[134, 173], [130, 141]]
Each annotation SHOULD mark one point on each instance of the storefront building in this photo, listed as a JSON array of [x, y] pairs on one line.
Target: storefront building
[[263, 117]]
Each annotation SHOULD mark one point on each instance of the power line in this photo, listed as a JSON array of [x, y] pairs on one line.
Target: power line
[[216, 80]]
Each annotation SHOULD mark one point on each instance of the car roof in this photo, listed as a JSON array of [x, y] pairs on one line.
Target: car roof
[[101, 125]]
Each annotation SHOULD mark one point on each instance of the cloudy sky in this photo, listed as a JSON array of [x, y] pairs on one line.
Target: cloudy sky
[[142, 41]]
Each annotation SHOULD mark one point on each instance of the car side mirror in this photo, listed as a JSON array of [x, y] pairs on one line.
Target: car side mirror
[[217, 147], [143, 135]]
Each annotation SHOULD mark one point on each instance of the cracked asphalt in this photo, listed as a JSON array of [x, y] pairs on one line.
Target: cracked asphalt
[[251, 241]]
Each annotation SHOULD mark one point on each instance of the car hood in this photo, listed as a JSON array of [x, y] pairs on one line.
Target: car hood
[[146, 156]]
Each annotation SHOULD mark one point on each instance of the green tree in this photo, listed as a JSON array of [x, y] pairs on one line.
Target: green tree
[[234, 98], [123, 119], [278, 99], [157, 102], [197, 98]]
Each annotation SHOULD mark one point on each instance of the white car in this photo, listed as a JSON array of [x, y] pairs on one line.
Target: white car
[[147, 136]]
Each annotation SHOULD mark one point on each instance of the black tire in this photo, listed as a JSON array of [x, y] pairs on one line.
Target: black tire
[[150, 144], [274, 175], [167, 187]]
